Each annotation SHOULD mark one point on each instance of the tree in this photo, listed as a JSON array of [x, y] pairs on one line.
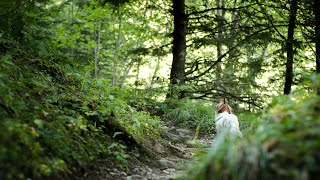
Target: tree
[[317, 33], [177, 75], [290, 46]]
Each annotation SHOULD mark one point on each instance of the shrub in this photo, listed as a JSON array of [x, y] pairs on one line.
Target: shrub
[[53, 120], [285, 146], [249, 122], [191, 114]]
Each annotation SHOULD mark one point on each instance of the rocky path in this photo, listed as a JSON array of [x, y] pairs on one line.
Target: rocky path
[[170, 160]]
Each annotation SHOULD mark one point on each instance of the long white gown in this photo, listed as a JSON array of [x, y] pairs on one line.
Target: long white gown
[[228, 124]]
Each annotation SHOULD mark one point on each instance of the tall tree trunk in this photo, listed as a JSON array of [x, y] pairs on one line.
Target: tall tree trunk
[[317, 33], [289, 46], [220, 15], [71, 10], [126, 70], [97, 49], [18, 25], [154, 77], [116, 56], [137, 83], [177, 75]]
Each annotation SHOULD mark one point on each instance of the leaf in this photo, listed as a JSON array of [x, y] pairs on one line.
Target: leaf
[[39, 123]]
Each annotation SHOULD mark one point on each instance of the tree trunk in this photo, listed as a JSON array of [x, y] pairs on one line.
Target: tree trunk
[[18, 25], [97, 49], [177, 75], [220, 15], [71, 10], [154, 77], [317, 33], [289, 46], [116, 56]]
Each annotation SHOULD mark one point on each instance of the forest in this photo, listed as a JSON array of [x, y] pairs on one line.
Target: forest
[[129, 89]]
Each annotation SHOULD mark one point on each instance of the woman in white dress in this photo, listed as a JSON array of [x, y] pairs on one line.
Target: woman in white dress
[[226, 122]]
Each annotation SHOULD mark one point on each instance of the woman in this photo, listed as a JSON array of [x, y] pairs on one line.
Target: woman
[[226, 122]]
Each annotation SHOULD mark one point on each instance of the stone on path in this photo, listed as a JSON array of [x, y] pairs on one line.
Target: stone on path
[[165, 163], [185, 131], [158, 147], [136, 177]]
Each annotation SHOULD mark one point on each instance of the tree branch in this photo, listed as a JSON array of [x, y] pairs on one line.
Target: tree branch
[[225, 54], [220, 8]]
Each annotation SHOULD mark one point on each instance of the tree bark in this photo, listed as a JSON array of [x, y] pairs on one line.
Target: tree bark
[[116, 55], [289, 46], [18, 25], [97, 49], [177, 75], [317, 33], [221, 16]]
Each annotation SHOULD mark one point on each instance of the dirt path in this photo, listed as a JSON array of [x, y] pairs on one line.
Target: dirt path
[[171, 158]]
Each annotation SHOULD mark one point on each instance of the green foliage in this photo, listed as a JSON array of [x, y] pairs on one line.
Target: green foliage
[[249, 122], [117, 150], [54, 119], [116, 101], [285, 146], [41, 134], [196, 144], [191, 113]]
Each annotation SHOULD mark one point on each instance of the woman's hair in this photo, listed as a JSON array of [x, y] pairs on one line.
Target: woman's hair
[[222, 107]]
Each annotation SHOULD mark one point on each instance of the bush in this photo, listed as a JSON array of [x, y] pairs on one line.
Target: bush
[[285, 146], [191, 114], [249, 122], [53, 120], [114, 103]]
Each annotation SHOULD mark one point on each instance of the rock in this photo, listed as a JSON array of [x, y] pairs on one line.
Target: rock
[[158, 147], [138, 177], [178, 138], [186, 138], [165, 128], [171, 177], [149, 175], [164, 164], [123, 174], [177, 160], [136, 155], [165, 171], [175, 138], [135, 152], [171, 128], [149, 169], [171, 170], [184, 131]]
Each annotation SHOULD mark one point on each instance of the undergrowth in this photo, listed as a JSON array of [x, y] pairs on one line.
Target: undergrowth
[[285, 145], [249, 122], [56, 119], [191, 114], [200, 113]]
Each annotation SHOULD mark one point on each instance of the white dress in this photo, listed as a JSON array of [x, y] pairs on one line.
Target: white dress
[[228, 123]]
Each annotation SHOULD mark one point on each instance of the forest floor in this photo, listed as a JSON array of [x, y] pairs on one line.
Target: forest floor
[[171, 156]]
